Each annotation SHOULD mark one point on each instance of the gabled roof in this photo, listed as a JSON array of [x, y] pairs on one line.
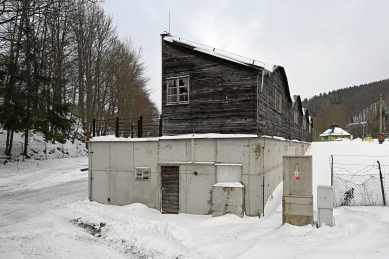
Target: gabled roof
[[337, 132], [230, 57], [297, 101], [218, 53]]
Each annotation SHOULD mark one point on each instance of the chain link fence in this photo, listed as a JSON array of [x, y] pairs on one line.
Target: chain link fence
[[362, 184]]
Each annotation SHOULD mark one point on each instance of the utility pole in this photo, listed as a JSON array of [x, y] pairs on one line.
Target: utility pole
[[380, 127], [381, 137]]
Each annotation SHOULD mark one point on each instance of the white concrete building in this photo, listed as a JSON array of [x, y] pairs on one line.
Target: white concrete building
[[176, 174]]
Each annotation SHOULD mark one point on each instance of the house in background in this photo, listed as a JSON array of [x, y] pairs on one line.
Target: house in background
[[334, 133], [206, 90]]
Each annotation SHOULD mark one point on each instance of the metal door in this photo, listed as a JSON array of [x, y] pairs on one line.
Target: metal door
[[170, 189]]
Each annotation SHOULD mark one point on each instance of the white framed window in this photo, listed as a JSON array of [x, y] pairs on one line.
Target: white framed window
[[277, 100], [142, 173], [177, 90]]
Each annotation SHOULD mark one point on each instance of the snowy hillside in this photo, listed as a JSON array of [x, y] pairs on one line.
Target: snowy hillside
[[45, 214], [38, 149]]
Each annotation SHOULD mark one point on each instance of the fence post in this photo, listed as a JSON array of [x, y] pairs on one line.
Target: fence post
[[332, 170], [45, 151], [94, 128], [132, 129], [160, 126], [117, 127], [140, 132], [382, 183]]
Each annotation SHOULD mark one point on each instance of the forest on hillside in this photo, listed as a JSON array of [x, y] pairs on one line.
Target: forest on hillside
[[344, 105], [62, 60]]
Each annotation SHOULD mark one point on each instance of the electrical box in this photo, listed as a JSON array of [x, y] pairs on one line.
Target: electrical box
[[297, 199], [325, 205]]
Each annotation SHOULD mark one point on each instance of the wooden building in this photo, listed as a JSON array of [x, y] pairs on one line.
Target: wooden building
[[205, 90]]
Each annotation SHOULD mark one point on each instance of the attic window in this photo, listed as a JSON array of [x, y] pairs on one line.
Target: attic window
[[177, 90], [277, 100], [142, 173]]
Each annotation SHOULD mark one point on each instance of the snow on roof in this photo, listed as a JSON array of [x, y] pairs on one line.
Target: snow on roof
[[235, 185], [337, 132], [221, 54], [186, 136], [112, 138]]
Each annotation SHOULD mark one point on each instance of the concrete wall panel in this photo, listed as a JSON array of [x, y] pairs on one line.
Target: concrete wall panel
[[173, 150], [121, 156], [254, 192], [227, 200], [146, 155], [199, 189], [100, 186], [228, 173], [230, 150], [148, 192], [100, 156], [205, 150], [121, 187]]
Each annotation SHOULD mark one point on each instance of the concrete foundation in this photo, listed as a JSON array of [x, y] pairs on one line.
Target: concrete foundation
[[228, 198], [297, 210]]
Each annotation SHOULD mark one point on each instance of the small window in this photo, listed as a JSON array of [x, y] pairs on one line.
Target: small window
[[277, 100], [142, 173], [178, 90]]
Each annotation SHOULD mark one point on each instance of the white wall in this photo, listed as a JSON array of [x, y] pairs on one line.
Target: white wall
[[112, 166]]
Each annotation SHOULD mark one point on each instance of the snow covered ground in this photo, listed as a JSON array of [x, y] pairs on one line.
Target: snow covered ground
[[45, 214]]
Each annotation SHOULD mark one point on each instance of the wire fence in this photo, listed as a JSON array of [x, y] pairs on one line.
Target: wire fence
[[360, 184], [139, 127]]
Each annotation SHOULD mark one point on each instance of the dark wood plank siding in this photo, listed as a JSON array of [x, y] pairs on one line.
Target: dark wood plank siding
[[222, 94], [271, 121], [170, 189], [223, 97]]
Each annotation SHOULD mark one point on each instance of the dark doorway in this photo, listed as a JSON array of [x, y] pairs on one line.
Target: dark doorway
[[170, 189]]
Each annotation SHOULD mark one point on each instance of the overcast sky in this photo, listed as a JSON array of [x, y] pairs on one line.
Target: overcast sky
[[323, 45]]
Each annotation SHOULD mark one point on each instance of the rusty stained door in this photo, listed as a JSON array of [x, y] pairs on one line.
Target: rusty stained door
[[170, 189]]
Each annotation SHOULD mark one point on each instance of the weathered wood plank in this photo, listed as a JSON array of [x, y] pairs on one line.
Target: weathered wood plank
[[223, 97], [170, 189]]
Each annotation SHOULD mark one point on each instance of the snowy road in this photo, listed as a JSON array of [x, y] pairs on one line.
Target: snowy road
[[22, 204], [30, 193], [44, 213]]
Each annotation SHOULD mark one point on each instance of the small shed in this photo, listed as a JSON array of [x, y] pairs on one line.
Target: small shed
[[334, 133]]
